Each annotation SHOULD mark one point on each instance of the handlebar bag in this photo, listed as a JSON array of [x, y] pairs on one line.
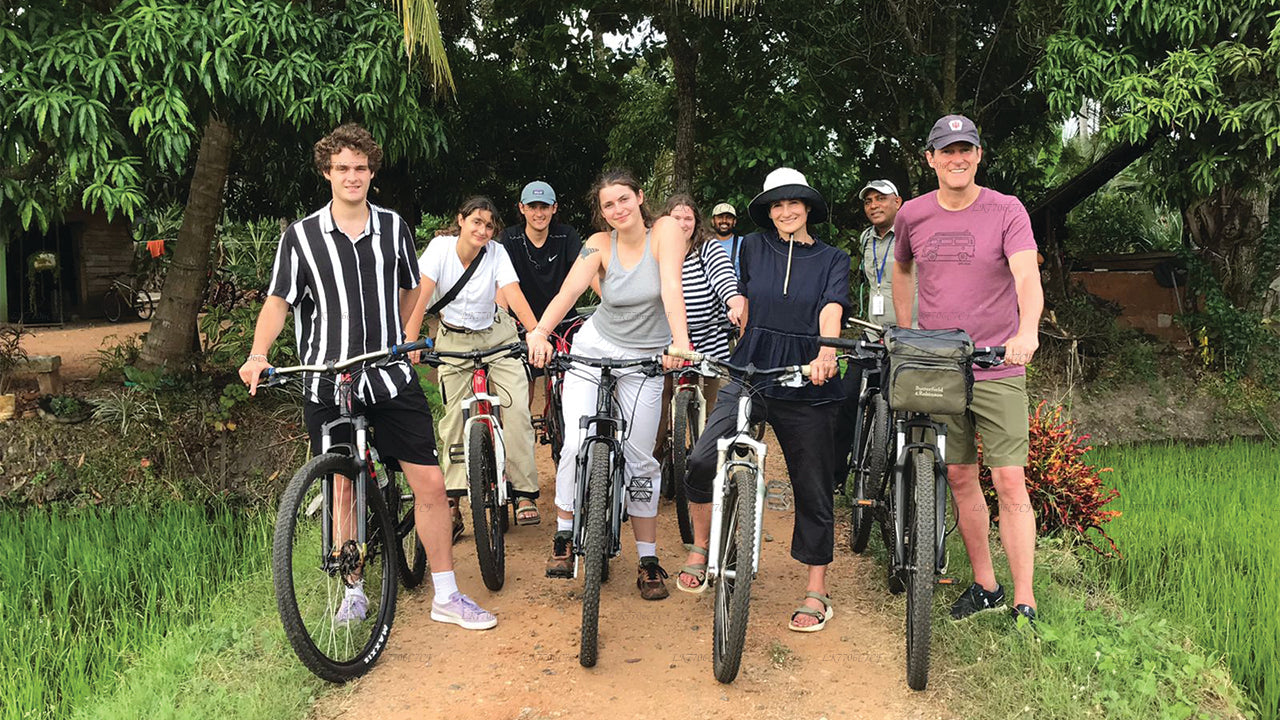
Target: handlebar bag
[[930, 371]]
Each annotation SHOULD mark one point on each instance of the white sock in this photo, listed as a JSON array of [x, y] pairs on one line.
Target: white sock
[[356, 587], [646, 549], [563, 525], [445, 583]]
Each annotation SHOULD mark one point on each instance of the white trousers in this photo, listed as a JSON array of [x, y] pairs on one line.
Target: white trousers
[[638, 400]]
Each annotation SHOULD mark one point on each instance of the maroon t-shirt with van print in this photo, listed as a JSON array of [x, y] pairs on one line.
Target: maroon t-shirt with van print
[[962, 266]]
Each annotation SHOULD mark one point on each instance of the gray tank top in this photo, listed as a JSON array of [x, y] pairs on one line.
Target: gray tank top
[[631, 312]]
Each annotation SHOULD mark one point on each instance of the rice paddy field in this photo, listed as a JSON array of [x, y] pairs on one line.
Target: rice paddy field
[[1200, 533], [85, 592]]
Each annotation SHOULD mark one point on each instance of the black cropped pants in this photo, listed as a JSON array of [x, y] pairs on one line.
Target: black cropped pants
[[806, 433]]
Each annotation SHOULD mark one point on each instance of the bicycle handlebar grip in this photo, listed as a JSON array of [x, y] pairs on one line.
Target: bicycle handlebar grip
[[406, 348], [988, 356], [838, 342], [684, 354]]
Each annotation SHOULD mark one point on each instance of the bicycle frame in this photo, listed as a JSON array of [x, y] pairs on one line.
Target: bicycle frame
[[741, 450], [485, 408], [608, 430], [361, 453]]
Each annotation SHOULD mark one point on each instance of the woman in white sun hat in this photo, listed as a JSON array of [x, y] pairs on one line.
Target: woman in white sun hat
[[797, 288]]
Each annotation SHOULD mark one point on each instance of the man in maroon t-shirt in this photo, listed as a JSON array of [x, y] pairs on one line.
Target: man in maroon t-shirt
[[975, 262]]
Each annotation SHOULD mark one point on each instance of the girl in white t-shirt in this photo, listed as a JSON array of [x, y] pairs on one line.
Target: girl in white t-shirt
[[473, 321]]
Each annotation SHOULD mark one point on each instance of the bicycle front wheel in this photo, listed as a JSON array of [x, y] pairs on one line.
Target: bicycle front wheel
[[922, 522], [737, 569], [685, 430], [411, 560], [335, 635], [869, 469], [596, 549], [486, 515]]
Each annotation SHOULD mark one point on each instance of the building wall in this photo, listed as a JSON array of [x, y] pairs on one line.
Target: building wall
[[105, 250], [1145, 305]]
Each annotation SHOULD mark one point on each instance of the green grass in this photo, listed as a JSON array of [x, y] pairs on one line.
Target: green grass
[[235, 664], [1200, 531], [1088, 657], [84, 593]]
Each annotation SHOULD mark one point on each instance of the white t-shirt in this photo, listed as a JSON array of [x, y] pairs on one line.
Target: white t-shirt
[[474, 305]]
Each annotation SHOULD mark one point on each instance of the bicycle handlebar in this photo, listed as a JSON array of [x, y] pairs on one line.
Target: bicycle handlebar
[[515, 348], [747, 372], [561, 361], [275, 376], [983, 357]]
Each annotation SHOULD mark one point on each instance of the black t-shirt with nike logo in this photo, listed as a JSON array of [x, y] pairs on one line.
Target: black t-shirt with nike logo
[[542, 270]]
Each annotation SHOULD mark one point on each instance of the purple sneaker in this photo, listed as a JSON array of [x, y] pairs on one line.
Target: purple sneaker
[[354, 608], [462, 610]]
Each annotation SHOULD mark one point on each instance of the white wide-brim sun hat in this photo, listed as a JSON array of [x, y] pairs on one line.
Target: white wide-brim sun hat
[[786, 184]]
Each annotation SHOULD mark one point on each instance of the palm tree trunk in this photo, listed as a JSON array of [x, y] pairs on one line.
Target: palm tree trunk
[[684, 63], [172, 330]]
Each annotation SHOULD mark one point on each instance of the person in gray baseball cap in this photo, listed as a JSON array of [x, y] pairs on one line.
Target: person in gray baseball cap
[[974, 257]]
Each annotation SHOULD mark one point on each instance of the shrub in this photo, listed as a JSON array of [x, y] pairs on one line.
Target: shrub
[[1066, 492]]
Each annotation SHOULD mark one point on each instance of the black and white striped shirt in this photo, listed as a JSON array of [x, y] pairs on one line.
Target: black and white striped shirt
[[345, 296], [708, 281]]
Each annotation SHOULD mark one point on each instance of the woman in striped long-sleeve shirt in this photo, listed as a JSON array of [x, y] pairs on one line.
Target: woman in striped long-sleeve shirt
[[710, 295]]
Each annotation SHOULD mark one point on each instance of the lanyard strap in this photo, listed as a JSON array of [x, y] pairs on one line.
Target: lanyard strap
[[884, 260]]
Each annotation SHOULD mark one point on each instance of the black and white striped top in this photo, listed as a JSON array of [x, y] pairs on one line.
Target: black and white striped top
[[708, 281], [345, 296]]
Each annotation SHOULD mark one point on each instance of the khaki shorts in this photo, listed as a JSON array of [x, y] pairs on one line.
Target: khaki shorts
[[999, 413]]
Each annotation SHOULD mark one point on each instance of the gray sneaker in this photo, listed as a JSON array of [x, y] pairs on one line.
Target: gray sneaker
[[462, 610], [354, 608], [975, 600]]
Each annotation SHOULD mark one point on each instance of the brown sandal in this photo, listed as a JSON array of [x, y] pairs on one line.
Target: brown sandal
[[527, 511]]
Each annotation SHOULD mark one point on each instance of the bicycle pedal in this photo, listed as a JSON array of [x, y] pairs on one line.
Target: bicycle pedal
[[866, 503], [945, 580], [778, 496]]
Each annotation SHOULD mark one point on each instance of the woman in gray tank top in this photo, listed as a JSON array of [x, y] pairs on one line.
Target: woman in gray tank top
[[639, 272]]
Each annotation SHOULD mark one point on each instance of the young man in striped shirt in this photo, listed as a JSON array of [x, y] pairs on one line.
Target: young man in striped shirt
[[349, 272]]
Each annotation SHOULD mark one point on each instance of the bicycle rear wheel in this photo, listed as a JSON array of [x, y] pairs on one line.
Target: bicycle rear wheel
[[596, 551], [145, 306], [869, 471], [112, 305], [685, 431], [411, 560], [486, 514], [737, 569], [310, 584], [922, 522]]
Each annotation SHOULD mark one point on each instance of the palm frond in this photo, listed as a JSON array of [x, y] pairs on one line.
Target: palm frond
[[721, 8], [421, 25]]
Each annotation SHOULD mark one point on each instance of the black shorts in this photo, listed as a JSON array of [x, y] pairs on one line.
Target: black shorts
[[402, 426]]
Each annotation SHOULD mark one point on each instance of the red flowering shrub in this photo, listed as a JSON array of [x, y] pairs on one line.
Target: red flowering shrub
[[1066, 492]]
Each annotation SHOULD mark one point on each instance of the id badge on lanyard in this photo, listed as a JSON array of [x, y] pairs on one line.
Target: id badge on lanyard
[[877, 303]]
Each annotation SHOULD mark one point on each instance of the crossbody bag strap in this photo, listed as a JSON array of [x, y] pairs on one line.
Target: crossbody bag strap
[[457, 287]]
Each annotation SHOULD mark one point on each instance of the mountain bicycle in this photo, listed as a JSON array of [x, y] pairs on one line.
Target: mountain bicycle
[[126, 292], [737, 508], [484, 455], [599, 507], [909, 500], [340, 522]]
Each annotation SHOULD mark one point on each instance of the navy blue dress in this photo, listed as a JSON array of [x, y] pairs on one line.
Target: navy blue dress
[[782, 328]]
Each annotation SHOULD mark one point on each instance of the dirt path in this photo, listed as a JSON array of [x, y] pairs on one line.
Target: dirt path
[[655, 657], [78, 345]]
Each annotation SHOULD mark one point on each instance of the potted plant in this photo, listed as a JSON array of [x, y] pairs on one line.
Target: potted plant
[[11, 356]]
